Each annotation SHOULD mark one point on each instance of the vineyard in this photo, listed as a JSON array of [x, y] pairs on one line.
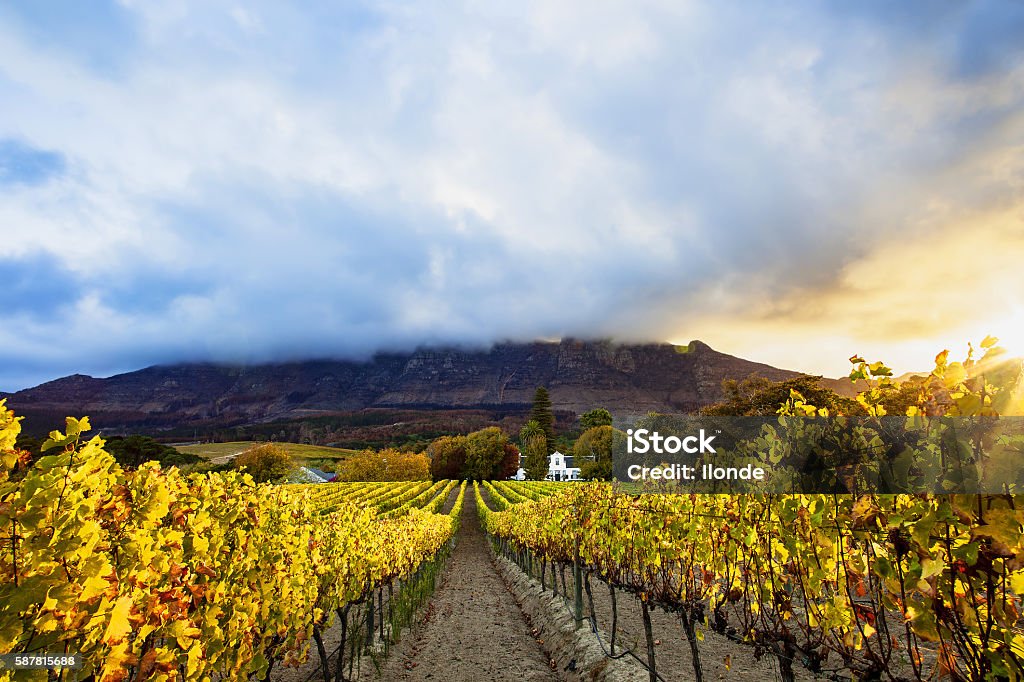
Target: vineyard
[[150, 574], [870, 586], [887, 587]]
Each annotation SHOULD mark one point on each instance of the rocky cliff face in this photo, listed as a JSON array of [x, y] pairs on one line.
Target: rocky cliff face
[[629, 380]]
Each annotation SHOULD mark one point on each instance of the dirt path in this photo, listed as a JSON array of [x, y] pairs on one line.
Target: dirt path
[[452, 496], [473, 630], [224, 459]]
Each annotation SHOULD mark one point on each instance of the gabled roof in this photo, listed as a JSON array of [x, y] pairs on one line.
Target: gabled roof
[[311, 475]]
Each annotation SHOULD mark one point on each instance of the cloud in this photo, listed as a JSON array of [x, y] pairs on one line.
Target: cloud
[[247, 182], [36, 285], [903, 302]]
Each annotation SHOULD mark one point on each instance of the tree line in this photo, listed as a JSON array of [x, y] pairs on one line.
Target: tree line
[[491, 454]]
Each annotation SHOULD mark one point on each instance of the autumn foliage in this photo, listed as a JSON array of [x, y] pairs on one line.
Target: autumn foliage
[[385, 465], [266, 463]]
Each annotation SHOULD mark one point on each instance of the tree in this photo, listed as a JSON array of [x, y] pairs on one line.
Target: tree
[[447, 457], [485, 450], [364, 465], [133, 451], [593, 453], [758, 396], [29, 444], [542, 414], [903, 396], [265, 463], [510, 462], [385, 465], [406, 466], [535, 446], [596, 417]]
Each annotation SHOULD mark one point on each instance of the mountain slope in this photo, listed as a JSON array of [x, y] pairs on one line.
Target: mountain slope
[[580, 375]]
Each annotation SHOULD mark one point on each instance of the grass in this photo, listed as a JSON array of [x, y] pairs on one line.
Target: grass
[[299, 451]]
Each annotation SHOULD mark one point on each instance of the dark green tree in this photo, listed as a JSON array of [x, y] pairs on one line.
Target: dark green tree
[[758, 396], [29, 443], [596, 417], [542, 414], [535, 446], [133, 451]]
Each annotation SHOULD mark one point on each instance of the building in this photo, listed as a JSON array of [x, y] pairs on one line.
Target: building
[[560, 468], [311, 475]]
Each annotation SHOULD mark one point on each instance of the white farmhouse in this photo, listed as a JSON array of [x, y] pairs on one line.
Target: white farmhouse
[[560, 468]]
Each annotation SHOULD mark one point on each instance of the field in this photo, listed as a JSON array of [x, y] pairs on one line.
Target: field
[[153, 574], [899, 587], [221, 452], [156, 573], [211, 577]]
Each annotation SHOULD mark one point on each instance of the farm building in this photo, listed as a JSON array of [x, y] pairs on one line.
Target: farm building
[[560, 468], [311, 475]]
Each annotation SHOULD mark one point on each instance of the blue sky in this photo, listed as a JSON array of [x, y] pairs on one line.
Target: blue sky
[[252, 181]]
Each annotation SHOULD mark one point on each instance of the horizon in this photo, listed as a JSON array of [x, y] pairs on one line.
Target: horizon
[[220, 183], [463, 348]]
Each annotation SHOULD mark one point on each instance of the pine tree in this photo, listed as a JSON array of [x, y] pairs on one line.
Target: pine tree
[[542, 413]]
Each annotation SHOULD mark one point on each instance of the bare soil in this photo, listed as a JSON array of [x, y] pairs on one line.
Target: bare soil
[[720, 657], [452, 496], [472, 629]]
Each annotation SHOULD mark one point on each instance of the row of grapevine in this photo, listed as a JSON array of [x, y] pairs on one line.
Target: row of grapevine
[[510, 494], [884, 586], [498, 500], [533, 490], [154, 574], [423, 488], [456, 512], [431, 499], [369, 495], [901, 587]]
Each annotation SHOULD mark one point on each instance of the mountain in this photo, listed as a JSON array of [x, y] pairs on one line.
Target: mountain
[[629, 380], [849, 389]]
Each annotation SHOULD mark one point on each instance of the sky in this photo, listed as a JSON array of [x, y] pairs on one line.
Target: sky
[[792, 183]]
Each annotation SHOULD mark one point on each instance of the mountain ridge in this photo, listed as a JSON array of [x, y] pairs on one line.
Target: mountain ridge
[[628, 379]]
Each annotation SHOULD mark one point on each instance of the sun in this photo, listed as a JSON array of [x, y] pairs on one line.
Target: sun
[[1009, 329]]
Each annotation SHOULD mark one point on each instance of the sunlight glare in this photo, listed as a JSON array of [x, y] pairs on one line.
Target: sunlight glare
[[1009, 329]]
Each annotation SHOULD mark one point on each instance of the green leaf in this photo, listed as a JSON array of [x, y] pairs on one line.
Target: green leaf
[[878, 369], [883, 567], [1002, 525], [931, 567]]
